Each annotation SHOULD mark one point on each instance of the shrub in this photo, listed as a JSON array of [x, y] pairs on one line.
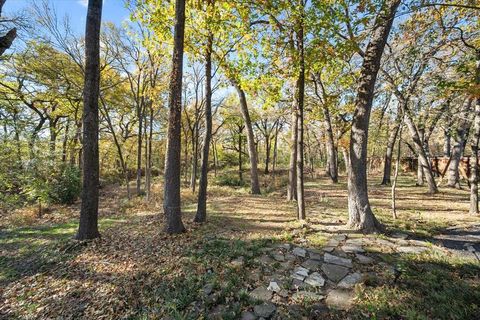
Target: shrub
[[230, 180], [65, 186]]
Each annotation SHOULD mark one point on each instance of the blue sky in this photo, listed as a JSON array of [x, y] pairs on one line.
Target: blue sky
[[113, 10]]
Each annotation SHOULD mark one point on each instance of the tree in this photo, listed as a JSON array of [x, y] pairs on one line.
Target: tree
[[361, 216], [171, 199], [202, 192], [88, 226]]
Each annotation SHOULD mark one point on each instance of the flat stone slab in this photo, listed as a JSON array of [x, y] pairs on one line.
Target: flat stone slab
[[399, 235], [306, 296], [340, 237], [340, 299], [328, 249], [264, 310], [311, 264], [330, 258], [352, 248], [411, 249], [332, 243], [298, 284], [334, 272], [247, 315], [299, 252], [363, 259], [279, 257], [315, 256], [301, 271], [261, 293], [273, 286], [350, 281], [315, 280], [285, 246], [266, 260]]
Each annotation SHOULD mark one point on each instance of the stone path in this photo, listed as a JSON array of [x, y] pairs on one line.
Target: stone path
[[461, 240], [291, 274]]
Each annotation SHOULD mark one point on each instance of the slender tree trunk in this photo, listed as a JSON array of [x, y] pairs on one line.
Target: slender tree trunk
[[65, 142], [300, 109], [420, 170], [201, 215], [422, 155], [476, 141], [447, 143], [332, 169], [292, 172], [361, 216], [148, 173], [397, 166], [171, 199], [193, 177], [387, 166], [255, 185], [117, 145], [458, 148], [88, 226], [140, 115], [240, 170], [215, 157], [267, 153]]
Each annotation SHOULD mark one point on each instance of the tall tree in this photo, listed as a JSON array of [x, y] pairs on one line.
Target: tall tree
[[88, 226], [361, 216], [171, 199], [202, 191]]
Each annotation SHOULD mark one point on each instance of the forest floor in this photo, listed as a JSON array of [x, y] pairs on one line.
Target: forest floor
[[251, 260]]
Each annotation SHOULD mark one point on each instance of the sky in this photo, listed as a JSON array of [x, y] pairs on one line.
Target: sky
[[113, 10]]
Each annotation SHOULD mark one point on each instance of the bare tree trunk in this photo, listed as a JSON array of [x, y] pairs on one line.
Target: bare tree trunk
[[88, 226], [148, 173], [447, 143], [397, 166], [201, 215], [240, 170], [422, 155], [361, 216], [458, 148], [476, 141], [171, 199], [252, 152], [300, 109], [292, 172], [387, 166], [267, 153], [420, 171], [140, 115], [332, 169], [117, 145], [65, 141], [6, 40], [193, 177]]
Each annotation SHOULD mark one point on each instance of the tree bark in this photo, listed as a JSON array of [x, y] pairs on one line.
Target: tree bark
[[292, 172], [423, 162], [201, 215], [361, 216], [171, 199], [88, 226], [6, 40], [148, 171], [332, 168], [387, 165], [458, 148], [397, 166], [252, 152], [476, 141], [420, 169], [300, 109]]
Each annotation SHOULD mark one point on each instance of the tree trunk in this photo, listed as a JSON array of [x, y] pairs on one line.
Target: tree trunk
[[140, 115], [447, 143], [148, 173], [423, 162], [332, 168], [387, 166], [458, 148], [88, 226], [420, 170], [171, 199], [252, 152], [360, 213], [65, 142], [267, 153], [300, 109], [292, 172], [240, 173], [201, 215], [397, 166], [476, 141], [193, 177], [6, 40]]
